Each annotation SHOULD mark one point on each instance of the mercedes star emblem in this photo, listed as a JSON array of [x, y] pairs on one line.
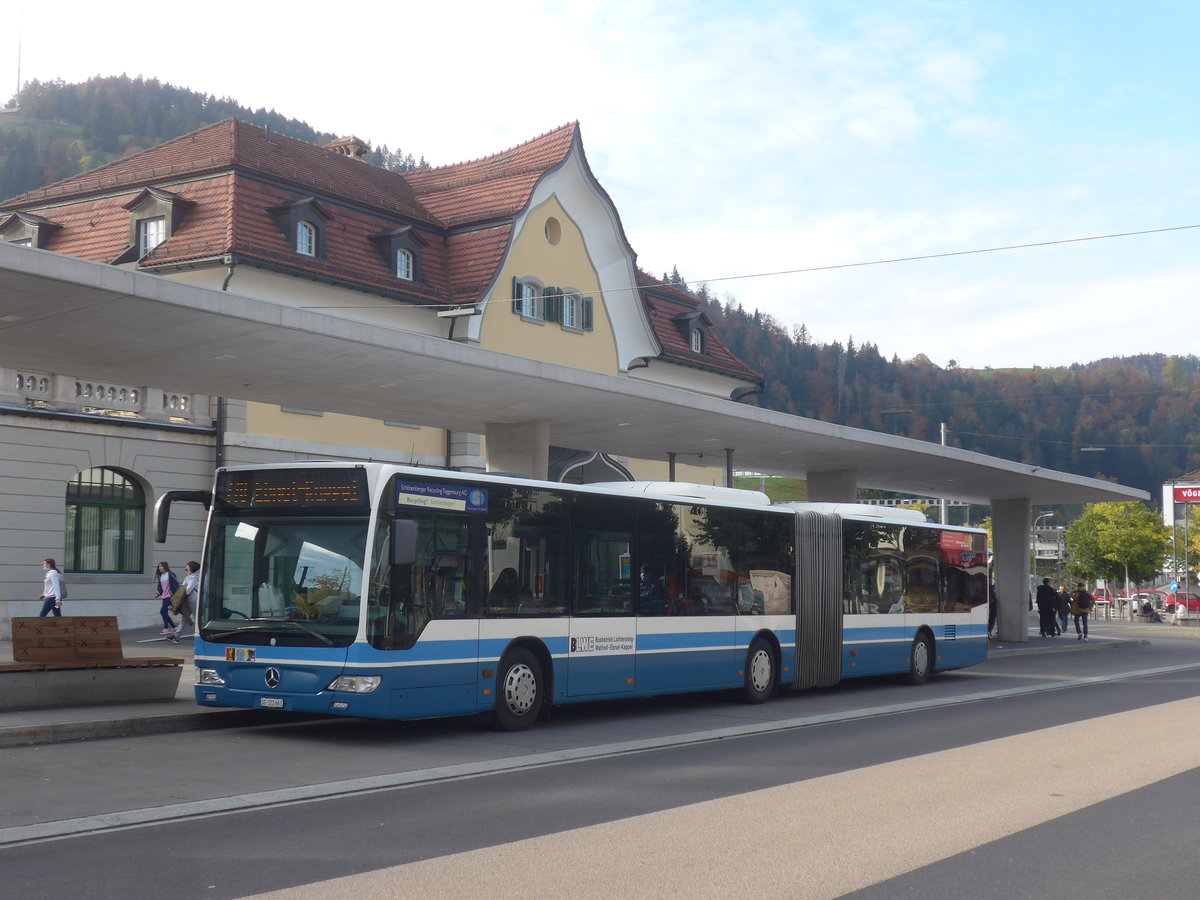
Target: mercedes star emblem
[[271, 677]]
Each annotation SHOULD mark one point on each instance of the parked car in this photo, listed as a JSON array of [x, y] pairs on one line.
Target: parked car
[[1192, 601], [1155, 598]]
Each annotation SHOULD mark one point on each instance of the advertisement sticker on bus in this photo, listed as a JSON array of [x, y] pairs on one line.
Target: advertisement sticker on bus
[[602, 643], [450, 497]]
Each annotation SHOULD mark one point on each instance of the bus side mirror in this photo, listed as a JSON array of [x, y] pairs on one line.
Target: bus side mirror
[[404, 542], [162, 509]]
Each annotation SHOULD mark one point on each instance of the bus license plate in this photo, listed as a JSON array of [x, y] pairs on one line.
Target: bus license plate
[[270, 702]]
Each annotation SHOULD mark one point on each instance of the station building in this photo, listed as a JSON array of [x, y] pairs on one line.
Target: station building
[[521, 252]]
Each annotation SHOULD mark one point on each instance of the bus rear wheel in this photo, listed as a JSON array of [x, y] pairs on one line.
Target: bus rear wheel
[[519, 690], [920, 660], [759, 681]]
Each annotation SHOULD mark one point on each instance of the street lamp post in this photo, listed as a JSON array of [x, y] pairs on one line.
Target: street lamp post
[[1033, 534]]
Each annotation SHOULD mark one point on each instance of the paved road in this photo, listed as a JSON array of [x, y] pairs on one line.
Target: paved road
[[812, 795]]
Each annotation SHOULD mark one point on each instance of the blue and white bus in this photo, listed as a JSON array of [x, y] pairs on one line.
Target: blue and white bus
[[404, 593]]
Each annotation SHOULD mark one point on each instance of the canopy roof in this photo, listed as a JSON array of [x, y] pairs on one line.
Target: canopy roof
[[129, 327]]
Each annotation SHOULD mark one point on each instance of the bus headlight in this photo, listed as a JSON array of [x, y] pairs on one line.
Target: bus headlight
[[209, 676], [355, 684]]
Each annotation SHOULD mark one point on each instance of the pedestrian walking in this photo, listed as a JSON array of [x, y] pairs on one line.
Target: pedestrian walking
[[1081, 607], [165, 584], [1047, 605], [51, 596], [185, 597], [1064, 607]]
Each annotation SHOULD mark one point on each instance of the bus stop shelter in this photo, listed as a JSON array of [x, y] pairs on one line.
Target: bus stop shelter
[[249, 349]]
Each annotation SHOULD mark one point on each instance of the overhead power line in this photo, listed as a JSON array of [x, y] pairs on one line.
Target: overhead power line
[[900, 259], [853, 265]]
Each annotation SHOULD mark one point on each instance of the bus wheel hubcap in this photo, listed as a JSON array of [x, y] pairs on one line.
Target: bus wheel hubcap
[[760, 670], [520, 689], [921, 657]]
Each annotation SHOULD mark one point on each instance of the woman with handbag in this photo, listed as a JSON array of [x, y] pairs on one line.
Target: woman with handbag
[[185, 595]]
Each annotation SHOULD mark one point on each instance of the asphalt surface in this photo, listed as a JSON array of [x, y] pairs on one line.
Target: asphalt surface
[[568, 848], [72, 723]]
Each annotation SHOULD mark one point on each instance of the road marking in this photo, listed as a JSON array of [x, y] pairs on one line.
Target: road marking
[[819, 838], [141, 818]]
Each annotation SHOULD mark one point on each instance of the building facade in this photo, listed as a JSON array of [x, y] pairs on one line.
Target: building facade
[[521, 252]]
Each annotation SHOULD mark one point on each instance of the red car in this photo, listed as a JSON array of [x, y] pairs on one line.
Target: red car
[[1192, 601]]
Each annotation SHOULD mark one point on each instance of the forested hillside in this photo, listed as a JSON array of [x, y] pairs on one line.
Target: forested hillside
[[53, 130], [1142, 411], [1135, 420]]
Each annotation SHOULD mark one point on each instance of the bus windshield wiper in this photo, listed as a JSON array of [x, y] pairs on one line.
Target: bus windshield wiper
[[266, 625]]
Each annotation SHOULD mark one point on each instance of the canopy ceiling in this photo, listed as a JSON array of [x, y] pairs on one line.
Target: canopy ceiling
[[60, 312]]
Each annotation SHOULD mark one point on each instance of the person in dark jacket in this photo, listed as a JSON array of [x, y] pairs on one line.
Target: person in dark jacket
[[1064, 606], [1047, 604]]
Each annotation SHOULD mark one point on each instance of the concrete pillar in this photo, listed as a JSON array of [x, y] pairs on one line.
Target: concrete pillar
[[840, 486], [1010, 540], [522, 448], [463, 451]]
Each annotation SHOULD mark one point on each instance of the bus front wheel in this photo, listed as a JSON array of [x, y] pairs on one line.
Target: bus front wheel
[[920, 660], [759, 680], [519, 690]]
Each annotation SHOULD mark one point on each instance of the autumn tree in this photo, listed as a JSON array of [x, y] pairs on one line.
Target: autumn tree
[[1118, 542]]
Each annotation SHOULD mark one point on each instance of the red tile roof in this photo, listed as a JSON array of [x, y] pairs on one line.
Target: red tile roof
[[239, 223], [97, 229], [664, 305], [232, 144], [495, 187]]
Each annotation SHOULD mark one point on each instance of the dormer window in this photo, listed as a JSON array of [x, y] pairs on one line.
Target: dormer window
[[693, 327], [27, 230], [302, 224], [400, 249], [151, 233], [404, 265], [154, 215], [306, 238]]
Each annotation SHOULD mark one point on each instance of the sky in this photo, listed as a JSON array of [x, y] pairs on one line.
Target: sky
[[786, 153]]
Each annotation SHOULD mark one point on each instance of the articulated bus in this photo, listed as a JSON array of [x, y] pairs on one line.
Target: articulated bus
[[404, 593]]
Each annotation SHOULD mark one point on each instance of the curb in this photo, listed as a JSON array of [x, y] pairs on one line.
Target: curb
[[998, 649], [61, 732]]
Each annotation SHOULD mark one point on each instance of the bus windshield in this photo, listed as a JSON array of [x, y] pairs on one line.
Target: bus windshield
[[290, 580]]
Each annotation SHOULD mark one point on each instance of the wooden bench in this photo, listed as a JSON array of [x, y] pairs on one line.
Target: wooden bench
[[70, 660]]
